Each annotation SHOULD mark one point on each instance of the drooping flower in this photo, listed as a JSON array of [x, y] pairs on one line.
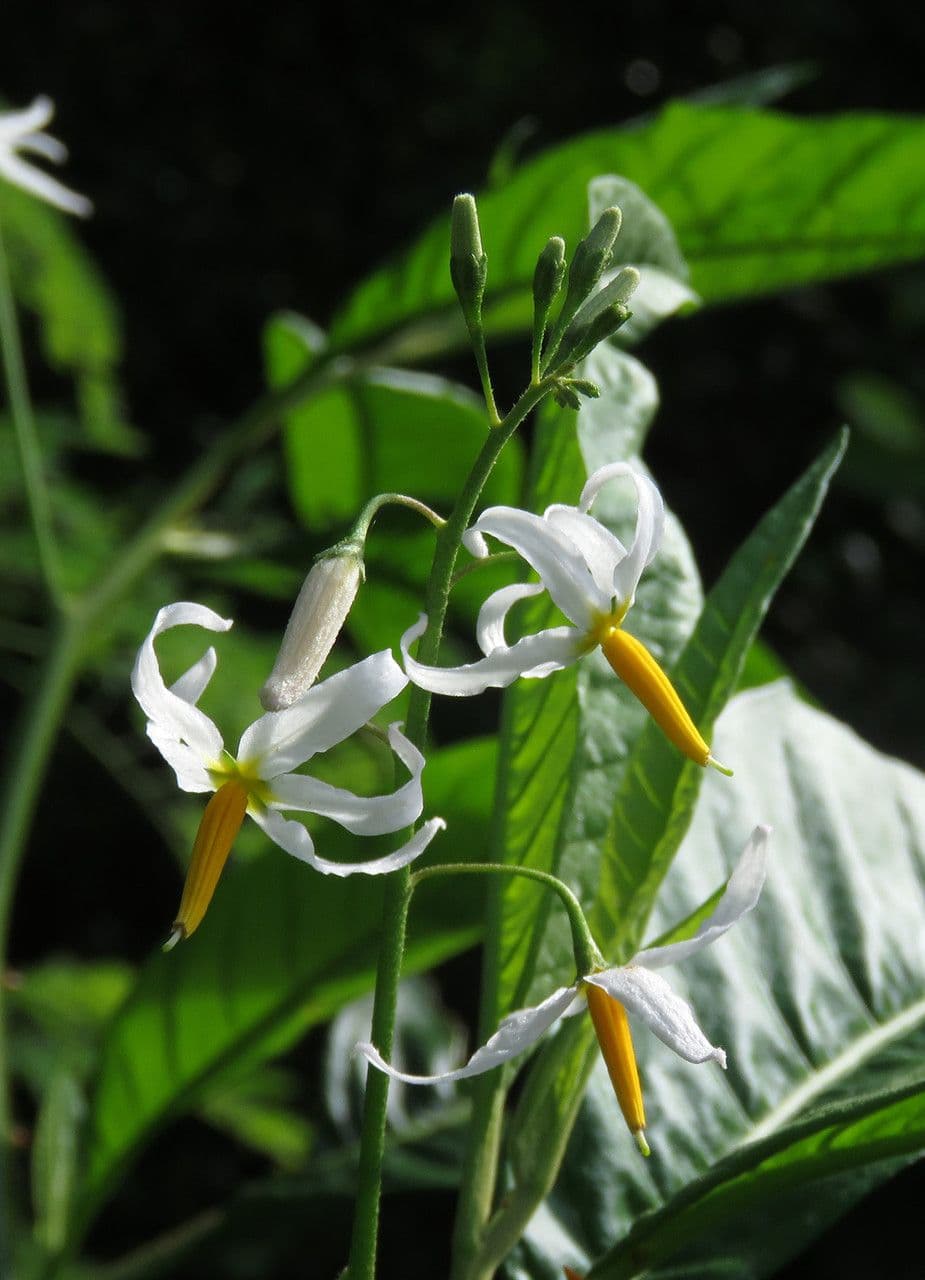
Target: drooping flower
[[612, 993], [261, 779], [21, 132], [592, 578]]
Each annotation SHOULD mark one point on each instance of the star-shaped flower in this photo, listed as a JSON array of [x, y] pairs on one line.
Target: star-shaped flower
[[592, 578], [21, 131], [261, 779], [635, 988]]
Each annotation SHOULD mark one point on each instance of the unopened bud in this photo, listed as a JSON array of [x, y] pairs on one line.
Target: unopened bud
[[600, 317], [468, 261], [315, 622], [592, 257], [548, 276]]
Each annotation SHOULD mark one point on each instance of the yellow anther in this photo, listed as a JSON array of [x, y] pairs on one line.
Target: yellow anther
[[612, 1028], [639, 671], [220, 824]]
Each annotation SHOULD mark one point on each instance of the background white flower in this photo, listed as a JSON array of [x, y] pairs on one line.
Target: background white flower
[[21, 132], [260, 779]]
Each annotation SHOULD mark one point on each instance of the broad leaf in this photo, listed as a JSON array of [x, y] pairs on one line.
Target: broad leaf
[[281, 949], [760, 201], [817, 997]]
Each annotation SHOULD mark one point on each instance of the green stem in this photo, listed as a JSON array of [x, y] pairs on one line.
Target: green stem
[[362, 1262], [28, 757], [360, 530], [30, 454], [587, 956]]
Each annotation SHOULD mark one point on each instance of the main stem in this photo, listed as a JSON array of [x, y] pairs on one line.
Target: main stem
[[362, 1263]]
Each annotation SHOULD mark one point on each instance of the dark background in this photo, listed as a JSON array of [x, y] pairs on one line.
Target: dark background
[[248, 159]]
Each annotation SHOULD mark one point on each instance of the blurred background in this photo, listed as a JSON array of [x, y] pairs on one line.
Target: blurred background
[[267, 157]]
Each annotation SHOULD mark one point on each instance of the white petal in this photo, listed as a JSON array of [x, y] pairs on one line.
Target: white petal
[[43, 144], [650, 522], [649, 997], [475, 544], [330, 712], [489, 629], [601, 549], [363, 815], [516, 1033], [293, 837], [193, 683], [743, 890], [535, 657], [555, 557], [37, 183], [17, 124], [174, 718], [191, 773]]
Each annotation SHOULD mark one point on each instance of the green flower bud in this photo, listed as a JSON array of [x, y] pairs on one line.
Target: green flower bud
[[548, 276], [601, 316], [468, 261], [592, 258]]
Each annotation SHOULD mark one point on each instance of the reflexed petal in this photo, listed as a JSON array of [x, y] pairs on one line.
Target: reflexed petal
[[516, 1034], [193, 683], [192, 774], [330, 712], [650, 521], [602, 551], [293, 837], [172, 716], [489, 630], [475, 544], [555, 558], [363, 815], [43, 144], [24, 175], [649, 996], [535, 657], [17, 124], [743, 890]]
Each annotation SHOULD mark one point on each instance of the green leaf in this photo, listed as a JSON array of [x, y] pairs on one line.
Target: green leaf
[[389, 430], [759, 201], [258, 1111], [817, 997], [280, 950], [659, 787], [54, 1159], [54, 276]]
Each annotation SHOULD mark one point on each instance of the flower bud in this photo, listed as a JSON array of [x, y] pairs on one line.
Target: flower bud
[[468, 261], [592, 258], [548, 276], [315, 622], [601, 316]]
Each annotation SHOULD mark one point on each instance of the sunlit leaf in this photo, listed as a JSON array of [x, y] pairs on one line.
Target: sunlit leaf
[[817, 998]]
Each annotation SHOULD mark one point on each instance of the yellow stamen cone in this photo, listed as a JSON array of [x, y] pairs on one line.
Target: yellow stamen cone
[[639, 671], [220, 824], [612, 1028]]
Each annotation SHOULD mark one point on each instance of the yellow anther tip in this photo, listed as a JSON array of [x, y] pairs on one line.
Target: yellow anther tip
[[720, 768], [177, 935], [641, 1143]]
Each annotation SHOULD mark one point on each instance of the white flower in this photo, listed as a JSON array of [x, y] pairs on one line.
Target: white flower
[[261, 779], [20, 131], [611, 993], [592, 578]]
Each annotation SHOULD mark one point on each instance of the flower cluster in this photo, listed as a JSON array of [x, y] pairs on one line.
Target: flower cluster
[[592, 578]]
